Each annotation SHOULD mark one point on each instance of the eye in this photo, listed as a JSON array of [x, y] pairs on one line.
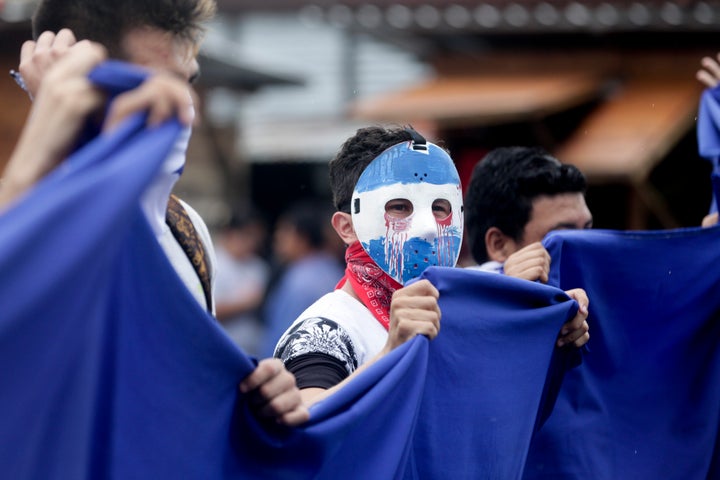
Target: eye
[[399, 208], [441, 209]]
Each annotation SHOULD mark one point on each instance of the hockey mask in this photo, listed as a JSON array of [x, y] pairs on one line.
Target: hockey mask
[[407, 209]]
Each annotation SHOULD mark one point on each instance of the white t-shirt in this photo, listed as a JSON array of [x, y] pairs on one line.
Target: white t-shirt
[[337, 325], [491, 266]]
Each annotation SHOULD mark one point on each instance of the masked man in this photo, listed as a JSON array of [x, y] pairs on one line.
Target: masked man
[[399, 210]]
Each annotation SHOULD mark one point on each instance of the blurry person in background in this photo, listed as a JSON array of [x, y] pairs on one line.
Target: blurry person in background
[[241, 278], [309, 267]]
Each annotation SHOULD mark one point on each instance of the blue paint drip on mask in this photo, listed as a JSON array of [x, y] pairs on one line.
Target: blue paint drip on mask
[[418, 254]]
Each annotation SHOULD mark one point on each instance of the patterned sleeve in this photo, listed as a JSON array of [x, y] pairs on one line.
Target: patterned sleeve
[[318, 336]]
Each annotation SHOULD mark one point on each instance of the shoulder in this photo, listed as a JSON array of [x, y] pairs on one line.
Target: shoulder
[[318, 335], [338, 325]]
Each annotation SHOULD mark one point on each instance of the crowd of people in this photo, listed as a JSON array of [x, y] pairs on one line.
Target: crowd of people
[[398, 208]]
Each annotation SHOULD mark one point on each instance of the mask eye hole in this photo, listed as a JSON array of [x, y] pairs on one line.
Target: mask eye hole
[[399, 208], [441, 209]]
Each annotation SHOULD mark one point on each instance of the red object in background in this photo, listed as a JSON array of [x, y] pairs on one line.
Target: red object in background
[[465, 161]]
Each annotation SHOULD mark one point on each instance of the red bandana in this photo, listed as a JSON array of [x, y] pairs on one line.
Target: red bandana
[[374, 287]]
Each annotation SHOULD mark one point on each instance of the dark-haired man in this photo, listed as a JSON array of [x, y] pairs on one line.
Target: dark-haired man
[[163, 36], [399, 210], [515, 197]]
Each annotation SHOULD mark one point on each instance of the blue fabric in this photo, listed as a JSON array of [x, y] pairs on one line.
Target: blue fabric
[[112, 370], [492, 375], [646, 401], [708, 135]]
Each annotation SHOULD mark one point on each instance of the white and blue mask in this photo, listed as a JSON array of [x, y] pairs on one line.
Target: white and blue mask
[[423, 174]]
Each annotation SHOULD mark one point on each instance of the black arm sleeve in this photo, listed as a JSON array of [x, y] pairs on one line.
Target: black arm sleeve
[[317, 370]]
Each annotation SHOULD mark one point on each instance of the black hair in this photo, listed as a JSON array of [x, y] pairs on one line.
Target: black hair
[[106, 22], [502, 189], [355, 154]]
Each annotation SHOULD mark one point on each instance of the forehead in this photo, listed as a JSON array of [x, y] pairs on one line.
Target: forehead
[[565, 210], [160, 50]]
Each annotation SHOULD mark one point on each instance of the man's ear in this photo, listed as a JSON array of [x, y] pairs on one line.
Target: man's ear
[[342, 223], [498, 245]]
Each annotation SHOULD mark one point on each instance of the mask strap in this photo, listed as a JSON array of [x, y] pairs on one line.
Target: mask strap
[[418, 141]]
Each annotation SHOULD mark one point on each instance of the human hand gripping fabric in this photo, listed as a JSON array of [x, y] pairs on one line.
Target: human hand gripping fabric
[[577, 330], [63, 101], [273, 393], [414, 310], [37, 57], [65, 98], [531, 262]]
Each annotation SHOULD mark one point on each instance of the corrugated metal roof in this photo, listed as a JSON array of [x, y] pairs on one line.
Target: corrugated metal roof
[[501, 15]]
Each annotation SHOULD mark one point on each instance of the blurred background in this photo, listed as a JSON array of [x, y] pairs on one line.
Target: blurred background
[[606, 85]]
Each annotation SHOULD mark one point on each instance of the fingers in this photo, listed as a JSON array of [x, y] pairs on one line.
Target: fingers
[[414, 310], [705, 78], [36, 58], [84, 57], [530, 263], [162, 96], [580, 296], [578, 336], [265, 370], [64, 100], [274, 394], [419, 288], [576, 331], [710, 220]]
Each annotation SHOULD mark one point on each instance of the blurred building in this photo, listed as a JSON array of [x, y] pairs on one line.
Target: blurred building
[[606, 85]]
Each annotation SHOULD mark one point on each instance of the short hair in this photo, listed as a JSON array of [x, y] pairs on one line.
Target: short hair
[[355, 154], [503, 186], [106, 22]]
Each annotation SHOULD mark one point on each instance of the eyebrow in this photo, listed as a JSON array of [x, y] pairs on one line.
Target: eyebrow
[[571, 226]]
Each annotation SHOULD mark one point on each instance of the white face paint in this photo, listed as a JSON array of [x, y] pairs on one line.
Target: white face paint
[[407, 210]]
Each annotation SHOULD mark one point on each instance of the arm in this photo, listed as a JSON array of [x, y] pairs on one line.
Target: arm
[[63, 102], [576, 331], [531, 263], [413, 311]]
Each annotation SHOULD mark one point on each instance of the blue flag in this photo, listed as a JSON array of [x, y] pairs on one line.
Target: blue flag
[[493, 373], [646, 401], [112, 370]]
